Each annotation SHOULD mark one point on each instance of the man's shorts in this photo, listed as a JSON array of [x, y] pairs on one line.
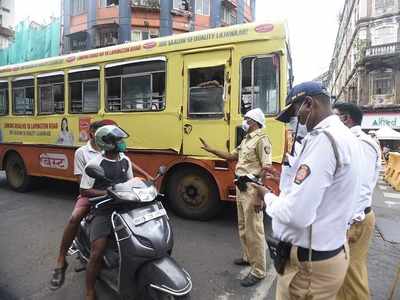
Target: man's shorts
[[82, 202], [100, 227]]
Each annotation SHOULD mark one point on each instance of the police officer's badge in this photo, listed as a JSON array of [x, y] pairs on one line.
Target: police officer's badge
[[302, 173]]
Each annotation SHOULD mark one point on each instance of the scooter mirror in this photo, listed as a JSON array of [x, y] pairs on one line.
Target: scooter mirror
[[162, 170], [95, 171]]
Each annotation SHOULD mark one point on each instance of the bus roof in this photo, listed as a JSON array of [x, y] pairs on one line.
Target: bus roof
[[180, 42]]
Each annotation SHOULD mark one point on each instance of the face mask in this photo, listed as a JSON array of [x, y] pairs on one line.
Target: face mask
[[308, 117], [245, 126], [298, 128], [121, 146]]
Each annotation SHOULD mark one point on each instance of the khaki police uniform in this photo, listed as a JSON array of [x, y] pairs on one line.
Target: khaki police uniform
[[313, 212], [254, 153], [362, 227]]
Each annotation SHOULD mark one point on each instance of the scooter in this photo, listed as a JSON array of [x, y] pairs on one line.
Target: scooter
[[137, 262]]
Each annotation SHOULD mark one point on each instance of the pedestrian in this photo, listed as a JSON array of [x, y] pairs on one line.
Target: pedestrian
[[252, 155], [309, 220], [362, 224]]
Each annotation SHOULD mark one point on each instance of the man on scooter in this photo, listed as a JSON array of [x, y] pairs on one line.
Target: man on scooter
[[118, 169], [82, 207]]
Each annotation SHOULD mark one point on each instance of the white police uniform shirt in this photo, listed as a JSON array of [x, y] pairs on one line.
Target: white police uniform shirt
[[323, 191], [82, 156], [371, 164]]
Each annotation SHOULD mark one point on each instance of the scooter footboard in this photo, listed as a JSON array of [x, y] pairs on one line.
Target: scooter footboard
[[165, 275]]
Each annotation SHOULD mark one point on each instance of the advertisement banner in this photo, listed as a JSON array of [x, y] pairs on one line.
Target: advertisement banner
[[84, 124]]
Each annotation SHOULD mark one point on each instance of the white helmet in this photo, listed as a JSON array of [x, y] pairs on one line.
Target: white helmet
[[257, 115]]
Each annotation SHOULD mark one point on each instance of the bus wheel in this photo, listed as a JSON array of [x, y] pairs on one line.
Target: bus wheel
[[193, 194], [17, 176]]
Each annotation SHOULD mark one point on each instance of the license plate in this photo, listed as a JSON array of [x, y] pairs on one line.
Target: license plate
[[150, 216]]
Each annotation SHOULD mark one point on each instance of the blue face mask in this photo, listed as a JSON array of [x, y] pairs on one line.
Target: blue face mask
[[121, 146]]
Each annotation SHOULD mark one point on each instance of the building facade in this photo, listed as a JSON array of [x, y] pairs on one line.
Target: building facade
[[7, 22], [91, 24], [365, 68]]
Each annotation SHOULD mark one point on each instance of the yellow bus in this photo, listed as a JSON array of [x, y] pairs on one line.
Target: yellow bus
[[166, 92]]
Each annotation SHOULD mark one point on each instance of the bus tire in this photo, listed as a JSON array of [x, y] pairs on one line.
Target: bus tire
[[17, 176], [193, 194]]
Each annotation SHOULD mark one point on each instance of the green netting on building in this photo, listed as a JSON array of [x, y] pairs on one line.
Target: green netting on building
[[32, 42]]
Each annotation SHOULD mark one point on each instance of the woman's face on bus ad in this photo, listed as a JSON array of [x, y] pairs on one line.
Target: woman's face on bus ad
[[64, 124]]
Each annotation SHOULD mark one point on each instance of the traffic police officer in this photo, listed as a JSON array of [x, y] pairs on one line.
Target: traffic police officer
[[253, 154], [311, 217], [363, 220]]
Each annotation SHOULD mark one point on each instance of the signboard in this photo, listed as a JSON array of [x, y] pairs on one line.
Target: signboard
[[53, 161], [376, 121]]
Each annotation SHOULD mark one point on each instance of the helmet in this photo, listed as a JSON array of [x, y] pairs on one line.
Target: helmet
[[107, 137], [257, 115]]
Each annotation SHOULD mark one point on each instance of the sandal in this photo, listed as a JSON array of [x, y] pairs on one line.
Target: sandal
[[58, 277]]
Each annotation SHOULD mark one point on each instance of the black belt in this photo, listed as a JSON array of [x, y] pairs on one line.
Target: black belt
[[302, 254], [367, 210]]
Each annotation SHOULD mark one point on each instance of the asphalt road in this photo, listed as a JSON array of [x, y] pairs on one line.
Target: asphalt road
[[30, 230], [31, 226]]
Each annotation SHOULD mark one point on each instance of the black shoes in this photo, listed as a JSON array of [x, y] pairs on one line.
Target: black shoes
[[241, 262], [250, 280]]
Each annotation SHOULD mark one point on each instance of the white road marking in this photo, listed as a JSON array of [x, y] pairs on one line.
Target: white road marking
[[263, 288], [225, 296], [243, 273], [392, 195], [391, 203], [383, 187]]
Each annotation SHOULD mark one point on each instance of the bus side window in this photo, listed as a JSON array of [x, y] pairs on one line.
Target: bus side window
[[136, 86], [51, 94], [260, 84], [84, 90], [23, 96], [206, 99], [4, 98]]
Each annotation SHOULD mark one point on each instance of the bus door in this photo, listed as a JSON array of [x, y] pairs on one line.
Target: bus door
[[206, 95]]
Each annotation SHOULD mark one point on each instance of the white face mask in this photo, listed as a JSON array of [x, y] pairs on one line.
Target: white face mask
[[245, 126], [308, 117], [301, 129]]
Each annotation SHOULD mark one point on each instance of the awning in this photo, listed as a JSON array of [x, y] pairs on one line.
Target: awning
[[127, 62], [387, 133], [59, 73], [23, 78], [83, 69], [78, 35]]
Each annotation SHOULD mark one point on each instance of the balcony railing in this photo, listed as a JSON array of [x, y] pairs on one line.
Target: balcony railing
[[151, 4], [383, 50]]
